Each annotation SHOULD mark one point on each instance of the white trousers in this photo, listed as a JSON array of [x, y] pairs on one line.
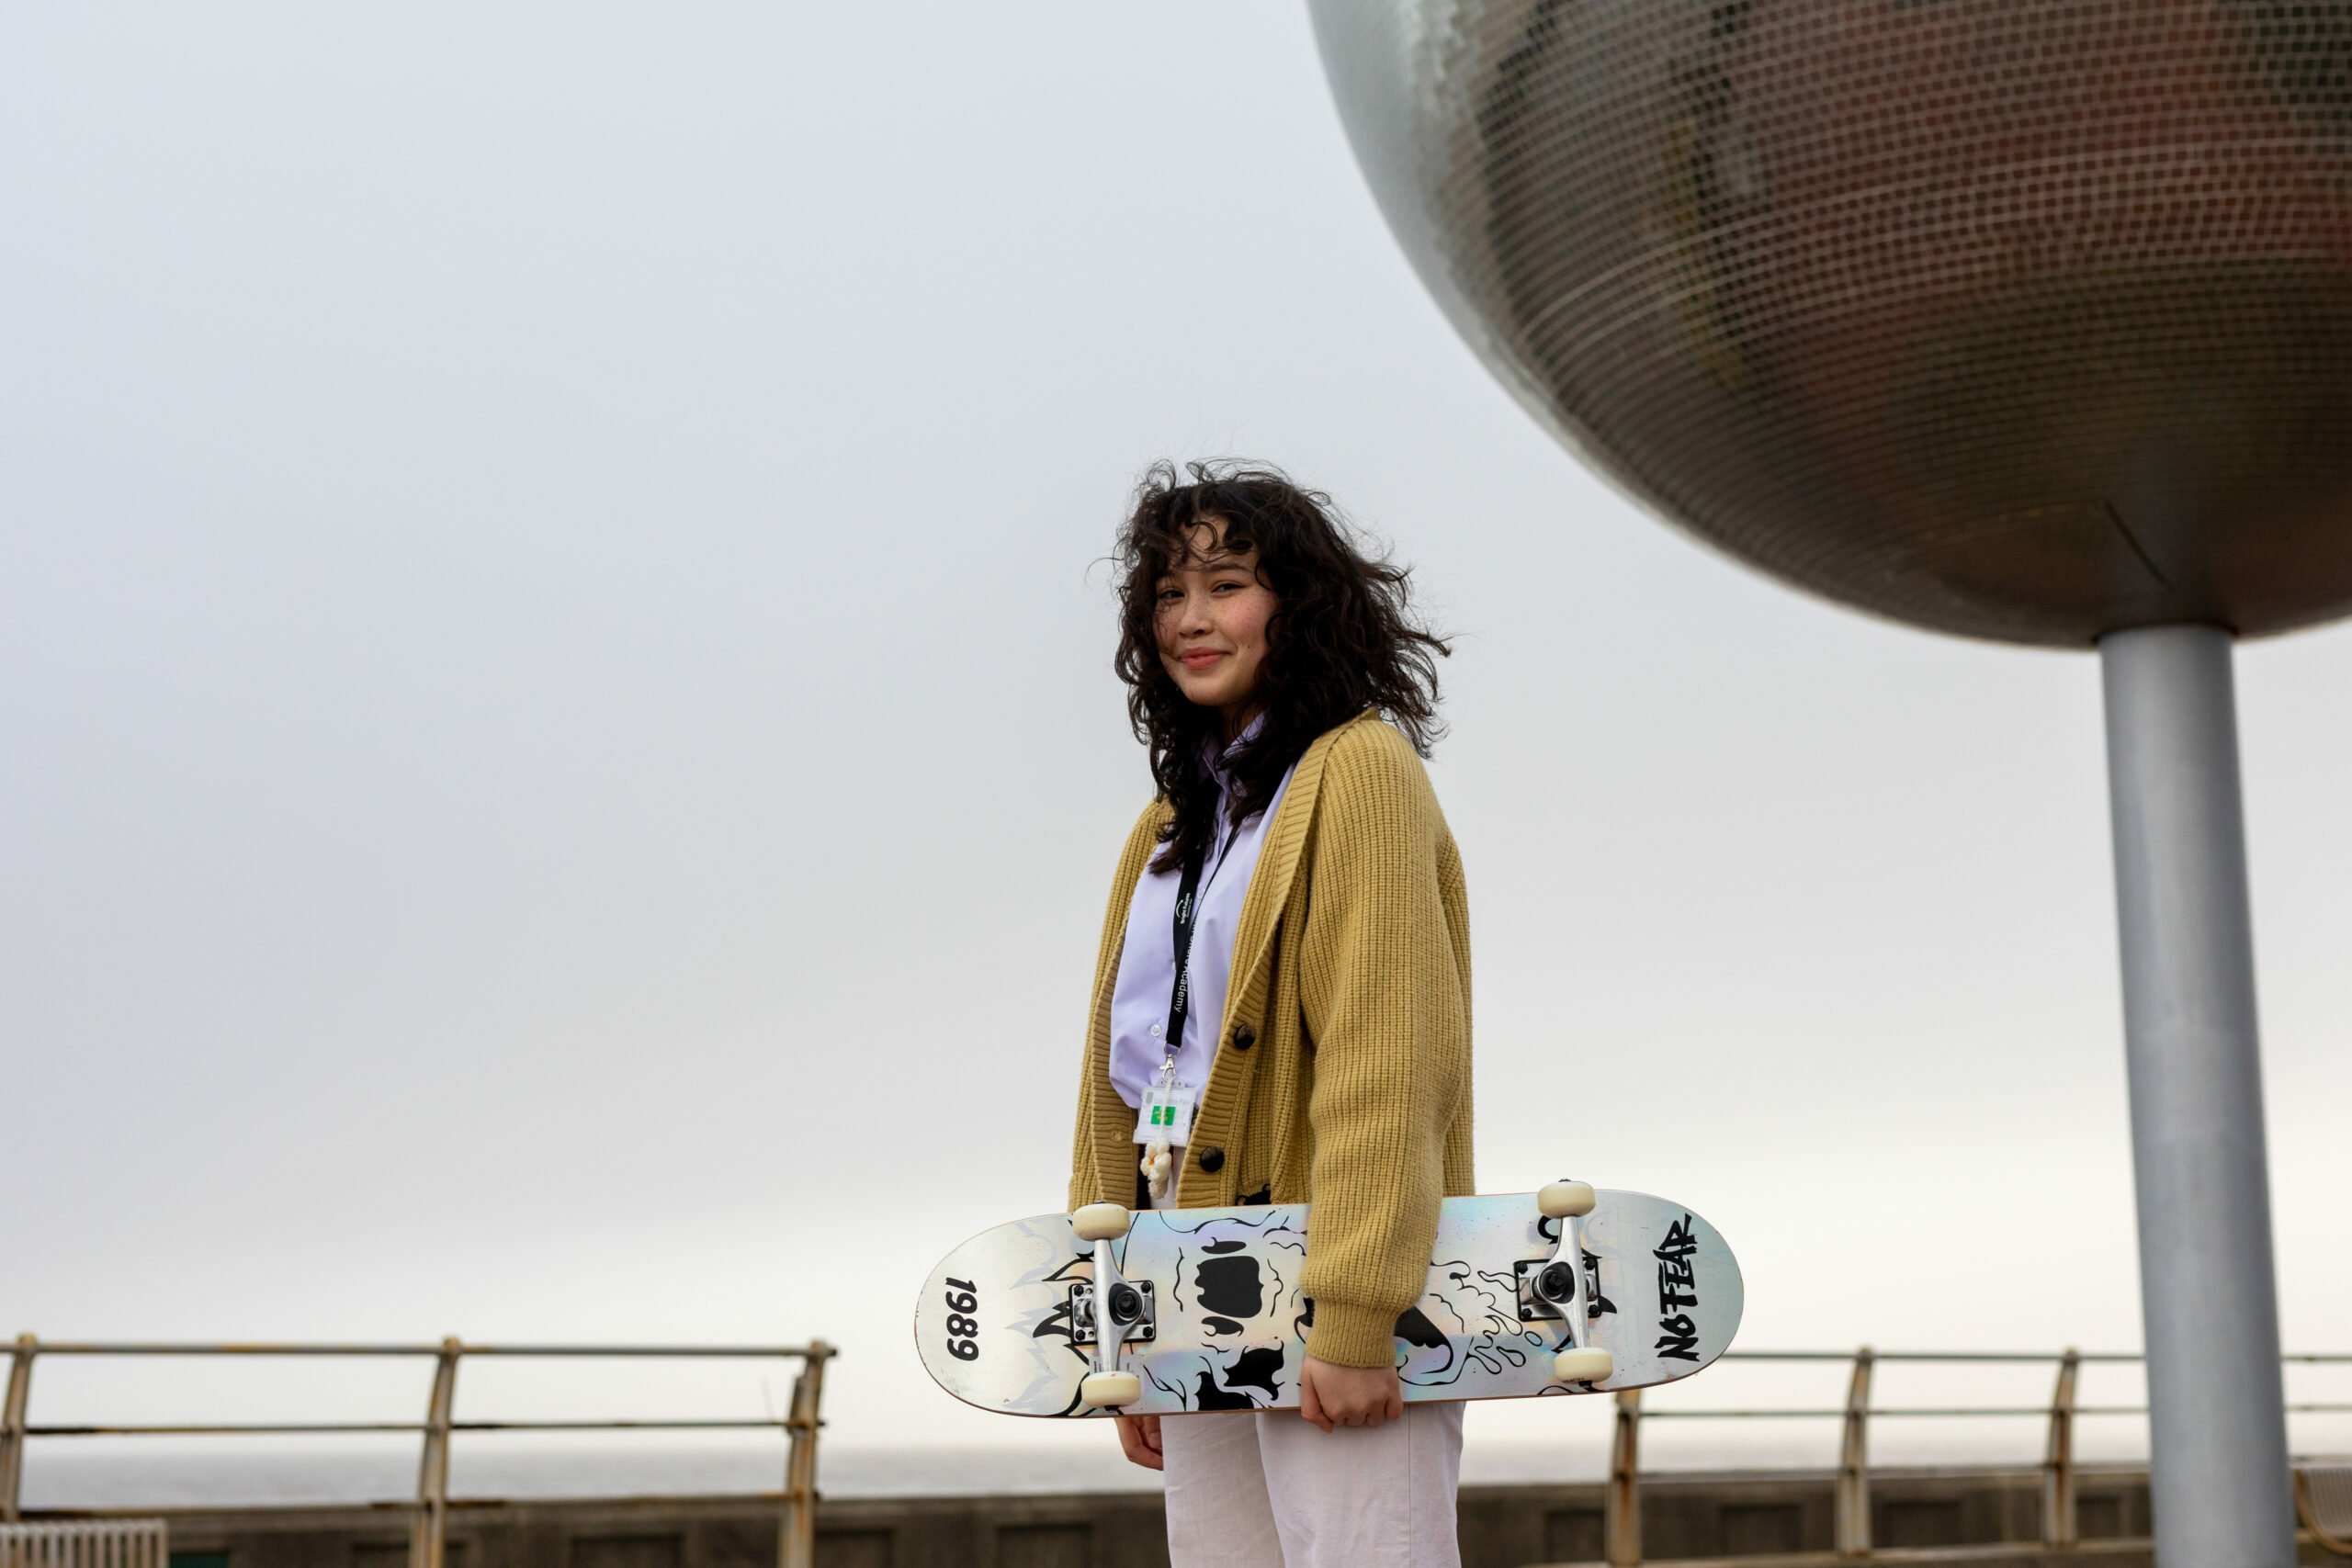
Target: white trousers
[[1269, 1490]]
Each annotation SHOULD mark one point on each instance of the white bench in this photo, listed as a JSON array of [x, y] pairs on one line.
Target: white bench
[[93, 1543]]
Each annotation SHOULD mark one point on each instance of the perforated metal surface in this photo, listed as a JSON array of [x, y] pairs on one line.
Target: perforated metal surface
[[2010, 318]]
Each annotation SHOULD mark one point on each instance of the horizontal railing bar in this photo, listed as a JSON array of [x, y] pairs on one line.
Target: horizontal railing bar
[[2034, 1410], [293, 1428], [398, 1505], [2040, 1412], [148, 1347], [771, 1424], [224, 1429], [687, 1351], [1648, 1414], [151, 1347], [2022, 1358]]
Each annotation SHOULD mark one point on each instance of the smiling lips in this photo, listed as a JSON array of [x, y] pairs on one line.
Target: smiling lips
[[1202, 657]]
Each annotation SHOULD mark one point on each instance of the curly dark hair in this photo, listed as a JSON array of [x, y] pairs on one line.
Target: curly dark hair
[[1342, 638]]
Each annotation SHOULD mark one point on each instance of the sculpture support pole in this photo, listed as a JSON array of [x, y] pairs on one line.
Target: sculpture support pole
[[2219, 1486]]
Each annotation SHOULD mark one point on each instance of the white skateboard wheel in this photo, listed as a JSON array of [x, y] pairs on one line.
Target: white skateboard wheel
[[1565, 1200], [1108, 1390], [1099, 1221], [1582, 1366]]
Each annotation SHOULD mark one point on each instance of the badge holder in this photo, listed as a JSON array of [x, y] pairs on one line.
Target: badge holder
[[1164, 1122]]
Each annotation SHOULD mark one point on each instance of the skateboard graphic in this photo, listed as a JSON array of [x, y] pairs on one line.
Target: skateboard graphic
[[1566, 1290]]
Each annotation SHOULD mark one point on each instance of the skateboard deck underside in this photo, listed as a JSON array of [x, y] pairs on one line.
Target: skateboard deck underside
[[1232, 1321]]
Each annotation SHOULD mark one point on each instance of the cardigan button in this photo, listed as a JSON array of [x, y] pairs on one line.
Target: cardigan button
[[1212, 1159], [1244, 1037]]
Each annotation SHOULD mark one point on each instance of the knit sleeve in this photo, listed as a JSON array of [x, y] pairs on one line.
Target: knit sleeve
[[1387, 1011], [1099, 1140], [1085, 1175]]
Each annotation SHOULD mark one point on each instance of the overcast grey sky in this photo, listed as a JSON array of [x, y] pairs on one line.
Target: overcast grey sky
[[559, 767]]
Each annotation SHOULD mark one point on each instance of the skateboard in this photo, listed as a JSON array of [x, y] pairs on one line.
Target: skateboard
[[1571, 1289]]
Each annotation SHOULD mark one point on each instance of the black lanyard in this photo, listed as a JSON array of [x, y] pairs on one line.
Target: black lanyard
[[1188, 898], [1188, 911]]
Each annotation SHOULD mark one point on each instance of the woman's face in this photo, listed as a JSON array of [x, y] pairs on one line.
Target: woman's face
[[1210, 617]]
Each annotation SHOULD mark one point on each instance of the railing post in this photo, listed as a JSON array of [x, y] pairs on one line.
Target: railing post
[[11, 1426], [2058, 1527], [1853, 1508], [1622, 1522], [796, 1531], [428, 1537]]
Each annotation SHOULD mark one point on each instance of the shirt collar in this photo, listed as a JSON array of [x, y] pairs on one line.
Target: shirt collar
[[1220, 758]]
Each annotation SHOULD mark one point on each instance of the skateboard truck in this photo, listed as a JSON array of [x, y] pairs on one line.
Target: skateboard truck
[[1545, 1281], [1135, 1311], [1116, 1307], [1556, 1288]]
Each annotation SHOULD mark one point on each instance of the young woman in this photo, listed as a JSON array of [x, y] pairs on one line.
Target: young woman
[[1281, 1010]]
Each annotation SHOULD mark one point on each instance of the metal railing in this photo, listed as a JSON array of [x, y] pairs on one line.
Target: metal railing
[[796, 1542], [1850, 1510]]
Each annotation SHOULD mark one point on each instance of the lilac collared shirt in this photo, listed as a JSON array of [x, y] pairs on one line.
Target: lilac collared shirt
[[1140, 995]]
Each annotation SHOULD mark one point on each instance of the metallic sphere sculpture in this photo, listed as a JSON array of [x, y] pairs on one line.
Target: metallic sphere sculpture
[[2029, 321]]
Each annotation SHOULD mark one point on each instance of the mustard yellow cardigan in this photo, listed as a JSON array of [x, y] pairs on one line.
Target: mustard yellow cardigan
[[1343, 1073]]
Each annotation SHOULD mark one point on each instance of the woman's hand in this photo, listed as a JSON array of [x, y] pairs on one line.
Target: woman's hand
[[1139, 1440], [1349, 1396]]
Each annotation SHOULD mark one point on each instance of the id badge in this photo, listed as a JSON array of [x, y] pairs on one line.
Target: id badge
[[1166, 1112]]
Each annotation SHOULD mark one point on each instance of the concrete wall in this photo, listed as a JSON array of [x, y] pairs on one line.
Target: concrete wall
[[1502, 1527]]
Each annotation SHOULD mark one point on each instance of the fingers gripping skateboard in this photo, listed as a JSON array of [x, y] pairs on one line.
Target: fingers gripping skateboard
[[1106, 1387]]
